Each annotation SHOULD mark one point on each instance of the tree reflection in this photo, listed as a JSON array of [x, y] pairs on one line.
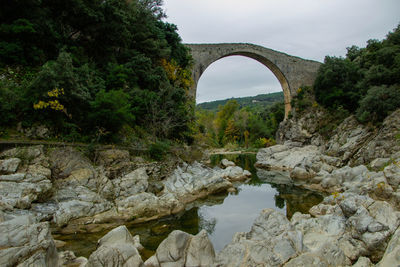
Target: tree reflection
[[207, 224]]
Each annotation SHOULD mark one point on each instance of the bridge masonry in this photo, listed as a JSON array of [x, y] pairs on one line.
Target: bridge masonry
[[292, 72]]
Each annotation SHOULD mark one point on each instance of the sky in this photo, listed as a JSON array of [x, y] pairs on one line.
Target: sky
[[310, 29]]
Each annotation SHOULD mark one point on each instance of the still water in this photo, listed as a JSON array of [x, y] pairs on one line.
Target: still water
[[220, 215]]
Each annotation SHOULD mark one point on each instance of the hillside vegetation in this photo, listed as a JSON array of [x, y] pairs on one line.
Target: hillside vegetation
[[111, 71], [262, 101]]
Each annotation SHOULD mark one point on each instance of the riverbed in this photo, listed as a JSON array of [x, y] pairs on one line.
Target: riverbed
[[221, 215]]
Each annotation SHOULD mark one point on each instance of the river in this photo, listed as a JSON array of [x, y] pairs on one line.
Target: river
[[220, 215]]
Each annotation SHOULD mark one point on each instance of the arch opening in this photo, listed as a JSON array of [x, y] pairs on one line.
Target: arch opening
[[201, 68], [235, 76]]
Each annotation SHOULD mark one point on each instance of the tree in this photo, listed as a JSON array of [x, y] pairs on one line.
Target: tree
[[336, 82], [379, 102]]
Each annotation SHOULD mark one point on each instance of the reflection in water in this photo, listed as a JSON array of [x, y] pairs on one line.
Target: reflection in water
[[221, 215]]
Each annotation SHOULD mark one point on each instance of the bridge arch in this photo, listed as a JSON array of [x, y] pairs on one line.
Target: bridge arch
[[292, 72]]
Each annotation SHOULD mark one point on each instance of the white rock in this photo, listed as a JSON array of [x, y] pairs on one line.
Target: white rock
[[26, 243], [132, 183], [392, 253], [116, 248], [226, 163], [9, 165]]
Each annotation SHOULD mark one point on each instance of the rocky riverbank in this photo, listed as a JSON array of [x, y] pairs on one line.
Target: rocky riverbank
[[356, 225], [61, 188]]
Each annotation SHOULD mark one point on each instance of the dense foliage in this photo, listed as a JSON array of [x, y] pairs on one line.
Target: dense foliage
[[233, 126], [117, 63], [367, 81]]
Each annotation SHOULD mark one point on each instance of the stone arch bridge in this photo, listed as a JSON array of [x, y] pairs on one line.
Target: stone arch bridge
[[292, 72]]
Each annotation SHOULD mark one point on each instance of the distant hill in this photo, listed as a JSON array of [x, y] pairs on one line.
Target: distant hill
[[262, 100]]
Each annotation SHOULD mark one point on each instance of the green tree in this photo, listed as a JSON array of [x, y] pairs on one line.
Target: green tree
[[379, 102], [110, 110]]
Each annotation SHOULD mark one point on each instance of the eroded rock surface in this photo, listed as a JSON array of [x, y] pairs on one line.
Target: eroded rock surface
[[26, 242], [116, 248], [63, 186], [183, 249]]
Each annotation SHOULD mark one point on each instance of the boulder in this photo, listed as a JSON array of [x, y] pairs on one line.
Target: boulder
[[68, 259], [70, 163], [20, 189], [235, 173], [392, 173], [25, 242], [182, 249], [271, 240], [9, 165], [74, 203], [363, 262], [116, 248], [283, 157], [392, 253], [190, 182], [227, 163]]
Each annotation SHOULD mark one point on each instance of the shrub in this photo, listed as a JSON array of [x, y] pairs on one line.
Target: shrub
[[158, 150]]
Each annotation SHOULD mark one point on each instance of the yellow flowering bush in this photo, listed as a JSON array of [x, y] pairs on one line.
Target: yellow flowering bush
[[52, 104]]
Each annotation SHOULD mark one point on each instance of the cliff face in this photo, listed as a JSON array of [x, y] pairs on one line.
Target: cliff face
[[351, 141]]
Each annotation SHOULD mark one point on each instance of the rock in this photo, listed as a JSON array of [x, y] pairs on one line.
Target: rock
[[384, 144], [379, 163], [182, 249], [301, 174], [112, 156], [271, 240], [30, 154], [39, 170], [9, 165], [392, 173], [303, 130], [59, 243], [227, 163], [347, 138], [281, 157], [194, 181], [116, 162], [116, 248], [26, 243], [74, 205], [69, 163], [20, 190], [139, 205], [392, 253], [322, 209], [200, 251], [68, 259], [132, 183], [36, 132], [235, 173], [173, 249], [385, 214], [363, 262]]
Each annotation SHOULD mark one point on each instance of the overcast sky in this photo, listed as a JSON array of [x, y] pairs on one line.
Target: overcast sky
[[309, 29]]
